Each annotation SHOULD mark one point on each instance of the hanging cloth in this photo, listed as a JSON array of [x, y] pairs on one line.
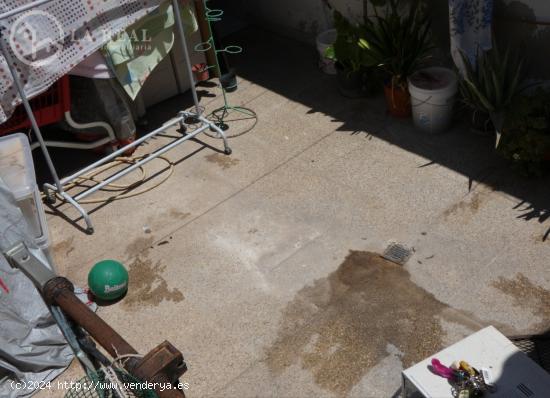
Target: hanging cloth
[[48, 41], [136, 52], [470, 29]]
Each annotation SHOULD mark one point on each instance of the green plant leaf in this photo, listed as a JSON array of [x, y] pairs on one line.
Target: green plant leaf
[[485, 104], [329, 53]]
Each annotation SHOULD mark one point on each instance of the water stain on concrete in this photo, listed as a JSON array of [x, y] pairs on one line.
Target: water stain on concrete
[[147, 286], [160, 220], [178, 214], [65, 247], [139, 245], [470, 206], [224, 161], [340, 327], [526, 294]]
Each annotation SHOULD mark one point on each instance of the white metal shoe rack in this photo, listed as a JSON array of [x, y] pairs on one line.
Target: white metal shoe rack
[[200, 122]]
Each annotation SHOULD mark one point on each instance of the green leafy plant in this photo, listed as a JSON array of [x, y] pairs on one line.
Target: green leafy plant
[[491, 85], [399, 44], [350, 48], [526, 132]]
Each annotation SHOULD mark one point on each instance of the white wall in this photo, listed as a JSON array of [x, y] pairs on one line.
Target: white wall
[[300, 19], [531, 39], [541, 8], [303, 19]]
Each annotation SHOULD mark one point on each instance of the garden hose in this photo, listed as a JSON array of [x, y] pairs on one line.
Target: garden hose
[[91, 176]]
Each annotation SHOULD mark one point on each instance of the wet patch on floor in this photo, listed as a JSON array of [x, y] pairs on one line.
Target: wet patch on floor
[[178, 214], [139, 245], [65, 247], [340, 327], [224, 161], [147, 286], [468, 207], [526, 294], [160, 221]]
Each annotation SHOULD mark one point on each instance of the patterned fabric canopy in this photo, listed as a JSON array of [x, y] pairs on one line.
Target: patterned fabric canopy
[[46, 42]]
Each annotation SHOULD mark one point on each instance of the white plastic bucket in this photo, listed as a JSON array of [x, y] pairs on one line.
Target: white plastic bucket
[[433, 93], [325, 40]]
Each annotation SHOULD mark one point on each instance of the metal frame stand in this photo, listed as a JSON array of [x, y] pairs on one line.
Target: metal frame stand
[[220, 115], [57, 188]]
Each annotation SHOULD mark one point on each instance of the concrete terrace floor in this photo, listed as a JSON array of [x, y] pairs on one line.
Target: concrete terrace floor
[[262, 267]]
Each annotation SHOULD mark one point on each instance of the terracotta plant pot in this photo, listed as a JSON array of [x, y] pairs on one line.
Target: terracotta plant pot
[[201, 72], [398, 100]]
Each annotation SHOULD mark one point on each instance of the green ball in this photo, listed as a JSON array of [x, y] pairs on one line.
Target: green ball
[[108, 280]]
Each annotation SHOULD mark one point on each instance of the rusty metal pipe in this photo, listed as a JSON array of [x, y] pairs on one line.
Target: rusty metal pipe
[[60, 291], [152, 368], [163, 365]]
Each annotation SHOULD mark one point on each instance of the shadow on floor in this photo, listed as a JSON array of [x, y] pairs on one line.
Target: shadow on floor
[[69, 161], [290, 69]]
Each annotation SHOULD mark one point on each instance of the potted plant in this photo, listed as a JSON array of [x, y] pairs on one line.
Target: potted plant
[[201, 72], [400, 44], [350, 53], [490, 85], [526, 133]]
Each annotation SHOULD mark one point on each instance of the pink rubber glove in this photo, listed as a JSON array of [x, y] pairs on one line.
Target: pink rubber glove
[[441, 370]]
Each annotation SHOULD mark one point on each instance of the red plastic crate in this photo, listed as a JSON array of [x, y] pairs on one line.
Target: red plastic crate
[[48, 107]]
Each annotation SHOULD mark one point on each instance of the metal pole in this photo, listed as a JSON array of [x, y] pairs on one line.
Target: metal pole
[[181, 33], [137, 164], [200, 10], [23, 8], [59, 291], [71, 338], [215, 51], [30, 114], [122, 150]]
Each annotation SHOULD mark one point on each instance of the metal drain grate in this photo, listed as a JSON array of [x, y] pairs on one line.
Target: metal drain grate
[[536, 347], [397, 253]]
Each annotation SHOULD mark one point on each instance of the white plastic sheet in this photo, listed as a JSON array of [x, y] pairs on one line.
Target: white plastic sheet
[[32, 347]]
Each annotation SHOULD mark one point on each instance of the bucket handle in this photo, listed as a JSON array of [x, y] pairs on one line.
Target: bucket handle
[[423, 102], [427, 99]]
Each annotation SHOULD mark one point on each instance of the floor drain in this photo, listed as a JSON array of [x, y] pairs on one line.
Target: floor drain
[[397, 253]]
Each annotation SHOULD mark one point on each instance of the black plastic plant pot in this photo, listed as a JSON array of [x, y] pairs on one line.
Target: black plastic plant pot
[[229, 81], [350, 83], [481, 122]]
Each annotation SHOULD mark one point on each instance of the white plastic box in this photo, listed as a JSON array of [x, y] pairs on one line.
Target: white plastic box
[[17, 172]]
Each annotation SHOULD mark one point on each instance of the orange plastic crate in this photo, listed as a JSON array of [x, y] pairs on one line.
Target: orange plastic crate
[[48, 107]]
